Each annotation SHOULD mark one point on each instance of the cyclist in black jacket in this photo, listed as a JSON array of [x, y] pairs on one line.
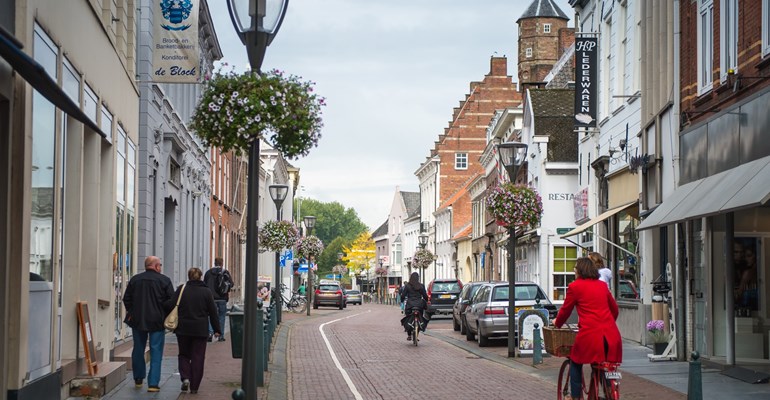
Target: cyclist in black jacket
[[416, 298]]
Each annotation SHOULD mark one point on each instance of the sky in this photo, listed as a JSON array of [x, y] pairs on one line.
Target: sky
[[391, 72]]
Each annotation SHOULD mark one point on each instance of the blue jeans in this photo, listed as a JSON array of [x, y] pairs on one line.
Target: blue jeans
[[575, 379], [222, 311], [157, 340]]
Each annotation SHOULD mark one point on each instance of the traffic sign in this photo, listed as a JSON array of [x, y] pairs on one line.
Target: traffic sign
[[287, 258]]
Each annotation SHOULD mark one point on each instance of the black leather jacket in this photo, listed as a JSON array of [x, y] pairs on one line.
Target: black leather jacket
[[144, 297], [416, 297]]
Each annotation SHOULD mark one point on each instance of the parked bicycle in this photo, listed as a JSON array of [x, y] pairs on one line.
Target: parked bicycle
[[295, 304], [605, 376]]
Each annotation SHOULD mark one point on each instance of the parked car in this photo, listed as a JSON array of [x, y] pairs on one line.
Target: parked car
[[487, 314], [627, 290], [442, 294], [354, 297], [329, 293], [458, 309], [344, 296]]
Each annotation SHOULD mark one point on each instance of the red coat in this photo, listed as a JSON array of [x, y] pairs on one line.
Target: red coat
[[597, 312]]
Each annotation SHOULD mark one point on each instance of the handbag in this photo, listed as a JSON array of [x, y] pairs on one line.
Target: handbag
[[172, 320]]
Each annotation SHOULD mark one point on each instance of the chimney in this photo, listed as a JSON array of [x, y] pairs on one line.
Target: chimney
[[498, 66]]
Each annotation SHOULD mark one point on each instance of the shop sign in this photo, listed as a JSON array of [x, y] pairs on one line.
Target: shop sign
[[175, 56], [586, 50]]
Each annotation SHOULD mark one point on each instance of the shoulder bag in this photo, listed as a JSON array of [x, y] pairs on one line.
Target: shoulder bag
[[172, 320]]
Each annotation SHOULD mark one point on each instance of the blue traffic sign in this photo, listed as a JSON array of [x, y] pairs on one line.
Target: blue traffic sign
[[286, 257]]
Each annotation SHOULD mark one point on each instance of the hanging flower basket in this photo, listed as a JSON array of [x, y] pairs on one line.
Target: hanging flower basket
[[309, 247], [340, 270], [236, 109], [515, 205], [423, 258], [277, 235], [381, 271]]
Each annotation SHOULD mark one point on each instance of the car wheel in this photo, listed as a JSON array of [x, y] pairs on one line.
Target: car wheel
[[469, 336], [482, 340], [455, 325], [342, 306], [315, 306], [463, 328]]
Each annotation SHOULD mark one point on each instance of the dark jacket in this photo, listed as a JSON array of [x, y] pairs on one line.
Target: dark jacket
[[144, 297], [196, 310], [416, 297], [210, 278]]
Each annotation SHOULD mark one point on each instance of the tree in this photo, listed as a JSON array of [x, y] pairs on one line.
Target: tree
[[328, 259], [360, 254], [333, 220]]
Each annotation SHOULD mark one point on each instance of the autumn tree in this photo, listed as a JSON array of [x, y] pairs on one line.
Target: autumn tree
[[360, 254]]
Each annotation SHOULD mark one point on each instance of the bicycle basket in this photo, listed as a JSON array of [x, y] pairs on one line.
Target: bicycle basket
[[558, 341]]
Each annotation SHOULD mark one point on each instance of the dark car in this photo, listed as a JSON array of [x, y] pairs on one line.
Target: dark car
[[329, 294], [442, 294], [458, 309]]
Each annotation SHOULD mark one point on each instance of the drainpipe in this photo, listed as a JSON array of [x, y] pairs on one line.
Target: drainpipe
[[728, 288]]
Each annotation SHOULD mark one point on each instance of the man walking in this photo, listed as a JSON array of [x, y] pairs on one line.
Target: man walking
[[219, 282], [145, 294]]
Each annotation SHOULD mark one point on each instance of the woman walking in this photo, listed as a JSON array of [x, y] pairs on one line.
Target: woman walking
[[196, 311]]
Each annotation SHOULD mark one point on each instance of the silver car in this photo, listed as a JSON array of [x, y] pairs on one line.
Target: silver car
[[487, 314]]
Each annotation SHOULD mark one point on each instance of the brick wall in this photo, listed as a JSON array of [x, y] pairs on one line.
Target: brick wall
[[547, 48]]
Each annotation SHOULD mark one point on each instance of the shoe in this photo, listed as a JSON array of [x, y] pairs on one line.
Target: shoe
[[210, 338], [409, 338], [221, 339], [153, 389], [193, 391], [185, 385], [138, 382]]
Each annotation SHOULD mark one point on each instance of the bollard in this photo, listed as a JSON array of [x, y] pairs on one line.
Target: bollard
[[694, 380], [238, 394], [260, 356], [537, 352]]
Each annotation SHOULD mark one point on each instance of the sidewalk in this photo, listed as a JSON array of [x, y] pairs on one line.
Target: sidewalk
[[642, 379]]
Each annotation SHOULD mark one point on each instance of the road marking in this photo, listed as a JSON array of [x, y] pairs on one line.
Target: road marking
[[345, 375]]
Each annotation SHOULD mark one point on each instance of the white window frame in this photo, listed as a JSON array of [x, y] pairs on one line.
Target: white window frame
[[728, 37], [567, 274], [705, 39], [765, 27], [461, 161], [546, 28], [528, 52]]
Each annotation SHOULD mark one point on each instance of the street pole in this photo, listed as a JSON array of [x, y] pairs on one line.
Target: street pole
[[511, 291], [251, 369], [309, 286], [278, 291]]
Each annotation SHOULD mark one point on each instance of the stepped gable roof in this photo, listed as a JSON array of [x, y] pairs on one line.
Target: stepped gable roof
[[382, 230], [411, 202], [543, 9], [452, 199], [554, 117]]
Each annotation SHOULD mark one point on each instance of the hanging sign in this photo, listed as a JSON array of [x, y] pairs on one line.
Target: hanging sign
[[586, 59], [175, 41]]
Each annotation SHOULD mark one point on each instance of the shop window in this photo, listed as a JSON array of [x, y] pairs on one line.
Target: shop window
[[626, 262], [120, 166], [564, 258]]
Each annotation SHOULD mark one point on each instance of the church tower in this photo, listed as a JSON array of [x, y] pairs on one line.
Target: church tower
[[543, 38]]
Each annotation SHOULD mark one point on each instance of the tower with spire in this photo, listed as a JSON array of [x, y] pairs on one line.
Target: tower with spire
[[543, 38]]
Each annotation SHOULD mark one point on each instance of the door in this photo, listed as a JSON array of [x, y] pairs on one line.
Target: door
[[699, 288]]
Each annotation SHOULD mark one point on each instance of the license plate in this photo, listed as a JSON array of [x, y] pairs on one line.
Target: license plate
[[445, 296], [613, 375]]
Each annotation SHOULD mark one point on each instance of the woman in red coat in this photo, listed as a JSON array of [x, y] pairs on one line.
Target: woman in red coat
[[598, 337]]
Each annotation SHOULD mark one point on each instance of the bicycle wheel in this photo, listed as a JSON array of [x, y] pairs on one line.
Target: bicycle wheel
[[594, 383], [562, 388], [611, 389]]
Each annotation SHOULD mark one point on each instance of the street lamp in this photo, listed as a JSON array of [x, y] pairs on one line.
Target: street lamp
[[423, 241], [512, 156], [256, 22], [278, 194], [309, 224]]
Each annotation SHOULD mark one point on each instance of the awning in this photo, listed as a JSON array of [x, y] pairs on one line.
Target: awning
[[745, 186], [595, 220], [35, 75]]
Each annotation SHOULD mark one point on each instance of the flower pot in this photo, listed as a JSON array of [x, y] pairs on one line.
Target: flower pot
[[659, 348]]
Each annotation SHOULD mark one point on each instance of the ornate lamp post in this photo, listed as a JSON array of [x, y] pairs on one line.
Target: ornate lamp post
[[256, 22], [278, 194], [422, 240], [309, 224], [512, 156]]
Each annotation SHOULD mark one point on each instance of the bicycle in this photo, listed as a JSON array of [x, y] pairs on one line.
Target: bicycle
[[416, 325], [605, 376], [295, 304]]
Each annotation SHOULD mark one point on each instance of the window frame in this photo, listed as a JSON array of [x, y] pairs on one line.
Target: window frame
[[528, 52], [568, 274], [705, 56], [728, 37], [765, 27], [461, 161], [546, 28]]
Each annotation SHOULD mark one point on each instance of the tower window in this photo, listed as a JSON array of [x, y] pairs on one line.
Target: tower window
[[528, 52], [546, 28]]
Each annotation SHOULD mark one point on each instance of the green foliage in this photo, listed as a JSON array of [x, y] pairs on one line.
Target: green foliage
[[235, 109], [332, 219], [328, 259]]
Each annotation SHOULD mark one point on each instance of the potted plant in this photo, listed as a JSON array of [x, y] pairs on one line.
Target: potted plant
[[656, 329], [277, 235], [236, 109], [422, 258], [309, 247], [516, 206]]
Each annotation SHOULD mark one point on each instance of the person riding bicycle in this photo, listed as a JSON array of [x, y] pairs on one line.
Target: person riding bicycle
[[598, 338], [416, 299]]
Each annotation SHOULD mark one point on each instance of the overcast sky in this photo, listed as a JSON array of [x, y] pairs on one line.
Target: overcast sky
[[392, 72]]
